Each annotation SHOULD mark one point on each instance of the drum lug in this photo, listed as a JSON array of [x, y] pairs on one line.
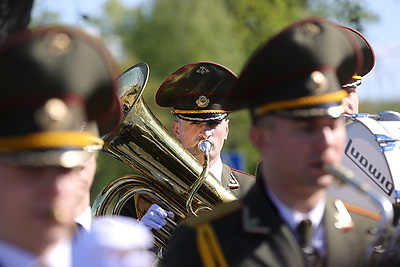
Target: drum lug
[[385, 142]]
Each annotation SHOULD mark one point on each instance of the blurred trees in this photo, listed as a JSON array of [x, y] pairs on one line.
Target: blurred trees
[[168, 34]]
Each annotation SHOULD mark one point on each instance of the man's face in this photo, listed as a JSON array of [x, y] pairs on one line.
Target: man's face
[[191, 133], [351, 101], [295, 150], [83, 179], [38, 204]]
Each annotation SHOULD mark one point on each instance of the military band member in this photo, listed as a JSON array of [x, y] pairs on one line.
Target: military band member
[[195, 92], [292, 88], [58, 96]]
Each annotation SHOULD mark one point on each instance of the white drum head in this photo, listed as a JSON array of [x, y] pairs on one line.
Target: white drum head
[[372, 153]]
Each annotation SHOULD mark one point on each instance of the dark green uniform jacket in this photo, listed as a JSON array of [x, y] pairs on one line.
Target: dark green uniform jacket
[[250, 232], [237, 182]]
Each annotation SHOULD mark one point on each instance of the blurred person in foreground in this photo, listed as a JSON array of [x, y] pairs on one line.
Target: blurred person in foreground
[[58, 97], [292, 88], [195, 92]]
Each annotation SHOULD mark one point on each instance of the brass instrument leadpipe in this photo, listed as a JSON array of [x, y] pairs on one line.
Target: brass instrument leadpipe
[[205, 146], [347, 177]]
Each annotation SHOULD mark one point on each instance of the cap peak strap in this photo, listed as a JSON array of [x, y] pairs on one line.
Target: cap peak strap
[[200, 111]]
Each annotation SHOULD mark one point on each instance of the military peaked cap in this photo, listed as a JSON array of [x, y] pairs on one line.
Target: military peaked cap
[[368, 58], [57, 87], [195, 91], [299, 72]]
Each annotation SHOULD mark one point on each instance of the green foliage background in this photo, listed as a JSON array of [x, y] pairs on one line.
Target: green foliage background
[[168, 34]]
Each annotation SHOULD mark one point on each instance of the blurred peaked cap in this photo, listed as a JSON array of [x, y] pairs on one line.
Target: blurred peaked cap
[[298, 72], [58, 62], [366, 49], [195, 91], [368, 58], [55, 79]]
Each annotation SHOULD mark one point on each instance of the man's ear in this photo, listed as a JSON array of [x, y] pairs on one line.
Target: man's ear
[[226, 129], [175, 127]]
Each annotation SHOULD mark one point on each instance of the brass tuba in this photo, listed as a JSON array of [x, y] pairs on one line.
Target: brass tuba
[[169, 173]]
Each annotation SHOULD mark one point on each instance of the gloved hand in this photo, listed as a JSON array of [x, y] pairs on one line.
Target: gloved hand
[[155, 217]]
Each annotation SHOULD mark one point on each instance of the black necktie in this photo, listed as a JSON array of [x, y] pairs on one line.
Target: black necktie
[[311, 257]]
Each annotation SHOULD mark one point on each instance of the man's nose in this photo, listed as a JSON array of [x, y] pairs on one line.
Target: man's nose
[[206, 131], [325, 137], [54, 180]]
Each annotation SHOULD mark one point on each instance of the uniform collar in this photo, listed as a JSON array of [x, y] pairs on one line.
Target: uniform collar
[[292, 217], [255, 221], [258, 222]]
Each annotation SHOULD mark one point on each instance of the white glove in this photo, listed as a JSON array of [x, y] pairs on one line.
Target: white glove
[[155, 217]]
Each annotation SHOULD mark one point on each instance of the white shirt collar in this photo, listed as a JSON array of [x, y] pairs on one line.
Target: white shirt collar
[[216, 169], [293, 218], [85, 219]]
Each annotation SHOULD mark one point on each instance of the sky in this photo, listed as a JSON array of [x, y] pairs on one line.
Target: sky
[[381, 84]]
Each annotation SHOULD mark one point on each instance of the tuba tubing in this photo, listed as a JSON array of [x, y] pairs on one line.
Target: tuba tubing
[[167, 170]]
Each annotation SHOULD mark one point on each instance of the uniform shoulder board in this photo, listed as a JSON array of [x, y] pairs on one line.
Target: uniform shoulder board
[[242, 172], [361, 211]]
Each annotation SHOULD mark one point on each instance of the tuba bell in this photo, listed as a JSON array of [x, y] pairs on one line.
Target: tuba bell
[[169, 174]]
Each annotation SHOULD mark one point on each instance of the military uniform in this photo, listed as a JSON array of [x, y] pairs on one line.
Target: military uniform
[[292, 88], [236, 181], [243, 236]]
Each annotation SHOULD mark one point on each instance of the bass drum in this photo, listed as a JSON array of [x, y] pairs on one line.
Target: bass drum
[[372, 153]]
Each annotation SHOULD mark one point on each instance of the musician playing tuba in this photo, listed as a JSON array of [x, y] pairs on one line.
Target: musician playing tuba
[[195, 92]]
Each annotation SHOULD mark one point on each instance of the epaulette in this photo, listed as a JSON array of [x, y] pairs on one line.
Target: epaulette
[[361, 211], [242, 172]]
